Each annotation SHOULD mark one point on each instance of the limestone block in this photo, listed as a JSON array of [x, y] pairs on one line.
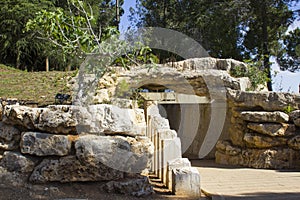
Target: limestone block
[[275, 158], [294, 115], [273, 129], [226, 159], [70, 169], [186, 182], [226, 147], [261, 116], [175, 164], [294, 143], [65, 119], [42, 144], [138, 186], [12, 178], [163, 134], [16, 162], [9, 137], [21, 115], [260, 141], [171, 149], [159, 122], [101, 96], [117, 152], [110, 119], [236, 134], [59, 119], [269, 101]]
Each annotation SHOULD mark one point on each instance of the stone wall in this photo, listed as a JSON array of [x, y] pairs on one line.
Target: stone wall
[[264, 130], [71, 144]]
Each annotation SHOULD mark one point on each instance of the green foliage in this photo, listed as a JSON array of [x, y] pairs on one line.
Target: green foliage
[[289, 56], [238, 29], [289, 109], [252, 71], [18, 48]]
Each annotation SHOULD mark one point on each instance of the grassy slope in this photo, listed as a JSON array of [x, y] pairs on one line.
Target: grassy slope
[[39, 87]]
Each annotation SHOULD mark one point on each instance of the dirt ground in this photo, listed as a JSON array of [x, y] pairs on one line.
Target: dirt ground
[[74, 191]]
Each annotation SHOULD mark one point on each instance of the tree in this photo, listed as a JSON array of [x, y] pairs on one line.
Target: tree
[[18, 48], [289, 56], [266, 24], [239, 29]]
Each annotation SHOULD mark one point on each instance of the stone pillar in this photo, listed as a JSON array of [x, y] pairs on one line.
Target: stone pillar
[[186, 182], [175, 164], [163, 134], [171, 149]]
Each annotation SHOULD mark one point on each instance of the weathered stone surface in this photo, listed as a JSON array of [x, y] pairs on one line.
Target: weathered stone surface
[[111, 119], [42, 144], [9, 137], [70, 169], [59, 119], [269, 101], [124, 154], [138, 186], [294, 143], [175, 164], [294, 114], [236, 134], [21, 115], [226, 147], [14, 179], [260, 141], [257, 158], [261, 116], [16, 162], [297, 122], [186, 182], [65, 119], [273, 129]]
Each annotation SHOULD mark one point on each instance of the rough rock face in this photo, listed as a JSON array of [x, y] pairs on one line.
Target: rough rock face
[[98, 158], [260, 133], [136, 186], [268, 101], [106, 119], [111, 119], [124, 154], [256, 158], [70, 169], [261, 116], [16, 162], [273, 129], [260, 141], [294, 143], [295, 117], [42, 144], [9, 137]]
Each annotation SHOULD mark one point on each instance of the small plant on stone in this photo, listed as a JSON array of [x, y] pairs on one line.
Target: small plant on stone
[[288, 109]]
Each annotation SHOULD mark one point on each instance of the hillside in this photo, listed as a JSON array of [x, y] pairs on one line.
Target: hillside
[[33, 87]]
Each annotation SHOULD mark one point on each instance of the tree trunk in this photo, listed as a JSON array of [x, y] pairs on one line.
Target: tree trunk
[[47, 64], [68, 68], [265, 41]]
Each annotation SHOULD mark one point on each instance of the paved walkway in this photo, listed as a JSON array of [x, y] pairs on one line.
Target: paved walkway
[[222, 182]]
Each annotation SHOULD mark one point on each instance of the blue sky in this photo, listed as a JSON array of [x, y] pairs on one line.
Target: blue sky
[[284, 81]]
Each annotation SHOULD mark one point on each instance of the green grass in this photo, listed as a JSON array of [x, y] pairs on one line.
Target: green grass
[[38, 87]]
